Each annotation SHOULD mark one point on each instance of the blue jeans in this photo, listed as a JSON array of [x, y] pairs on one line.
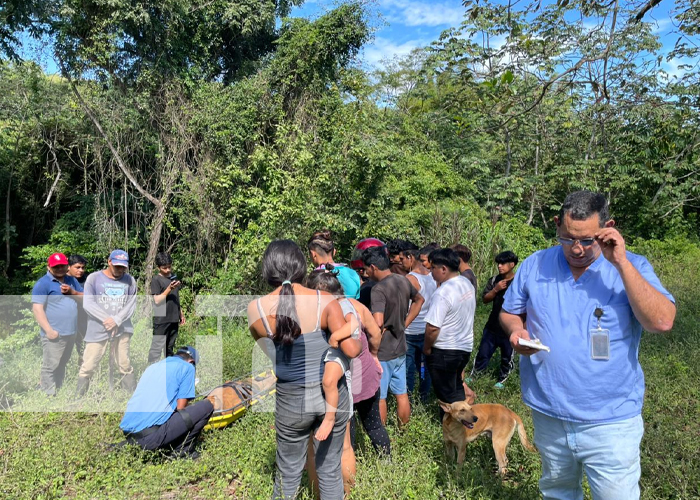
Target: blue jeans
[[414, 358], [607, 452]]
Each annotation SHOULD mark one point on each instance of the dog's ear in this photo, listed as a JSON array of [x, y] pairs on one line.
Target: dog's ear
[[446, 407]]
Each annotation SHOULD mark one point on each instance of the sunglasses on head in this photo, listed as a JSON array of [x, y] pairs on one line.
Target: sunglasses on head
[[586, 242]]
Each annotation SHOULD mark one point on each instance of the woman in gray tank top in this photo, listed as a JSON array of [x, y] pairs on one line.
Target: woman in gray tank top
[[365, 373], [293, 320]]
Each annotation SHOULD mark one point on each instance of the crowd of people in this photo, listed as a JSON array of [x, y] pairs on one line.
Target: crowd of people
[[93, 314], [398, 320]]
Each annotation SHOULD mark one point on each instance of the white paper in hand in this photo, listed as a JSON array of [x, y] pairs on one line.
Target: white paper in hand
[[534, 343]]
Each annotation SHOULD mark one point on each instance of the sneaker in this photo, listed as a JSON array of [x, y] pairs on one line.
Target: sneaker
[[498, 385]]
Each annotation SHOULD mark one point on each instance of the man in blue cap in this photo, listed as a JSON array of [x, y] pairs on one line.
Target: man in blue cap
[[109, 301], [158, 417]]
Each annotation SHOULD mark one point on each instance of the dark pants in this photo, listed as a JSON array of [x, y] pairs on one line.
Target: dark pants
[[368, 413], [176, 434], [164, 338], [445, 367], [414, 359], [80, 345], [298, 413], [56, 354], [490, 341]]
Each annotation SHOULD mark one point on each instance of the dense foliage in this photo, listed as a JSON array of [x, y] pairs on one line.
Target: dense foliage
[[208, 128]]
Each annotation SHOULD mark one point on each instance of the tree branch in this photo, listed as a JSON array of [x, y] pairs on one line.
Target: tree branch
[[122, 166]]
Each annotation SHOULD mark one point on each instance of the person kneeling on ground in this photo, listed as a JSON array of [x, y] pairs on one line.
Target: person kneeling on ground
[[157, 415]]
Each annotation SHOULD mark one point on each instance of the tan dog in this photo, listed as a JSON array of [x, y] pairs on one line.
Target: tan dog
[[463, 423]]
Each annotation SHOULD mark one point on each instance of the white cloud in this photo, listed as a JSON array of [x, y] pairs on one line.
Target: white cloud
[[672, 68], [413, 13], [384, 48]]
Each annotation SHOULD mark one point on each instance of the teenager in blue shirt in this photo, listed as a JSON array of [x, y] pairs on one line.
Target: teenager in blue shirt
[[588, 300], [56, 311]]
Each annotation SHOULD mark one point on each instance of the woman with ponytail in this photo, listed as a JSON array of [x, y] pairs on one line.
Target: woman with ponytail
[[322, 250], [298, 322]]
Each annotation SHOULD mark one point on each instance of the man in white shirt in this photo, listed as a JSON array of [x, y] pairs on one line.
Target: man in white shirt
[[449, 331]]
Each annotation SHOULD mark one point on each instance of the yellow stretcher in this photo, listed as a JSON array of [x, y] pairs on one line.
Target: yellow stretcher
[[250, 391]]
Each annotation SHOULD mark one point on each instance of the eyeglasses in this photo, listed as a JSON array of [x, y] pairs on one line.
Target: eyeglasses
[[586, 242]]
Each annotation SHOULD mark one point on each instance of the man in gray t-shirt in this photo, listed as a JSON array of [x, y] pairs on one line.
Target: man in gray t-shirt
[[390, 307], [109, 301]]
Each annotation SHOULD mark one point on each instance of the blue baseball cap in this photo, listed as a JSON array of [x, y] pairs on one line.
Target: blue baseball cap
[[191, 351], [119, 258]]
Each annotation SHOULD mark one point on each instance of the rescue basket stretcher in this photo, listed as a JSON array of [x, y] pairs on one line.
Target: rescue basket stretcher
[[232, 399]]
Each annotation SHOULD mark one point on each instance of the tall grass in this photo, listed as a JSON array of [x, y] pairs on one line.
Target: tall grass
[[60, 455]]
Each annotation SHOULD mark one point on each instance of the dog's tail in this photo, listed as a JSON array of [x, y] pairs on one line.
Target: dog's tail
[[523, 435]]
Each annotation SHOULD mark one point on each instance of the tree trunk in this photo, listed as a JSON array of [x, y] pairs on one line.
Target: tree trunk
[[7, 224], [508, 154], [154, 244], [534, 188]]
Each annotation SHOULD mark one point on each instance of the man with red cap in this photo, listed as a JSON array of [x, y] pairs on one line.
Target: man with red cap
[[56, 311]]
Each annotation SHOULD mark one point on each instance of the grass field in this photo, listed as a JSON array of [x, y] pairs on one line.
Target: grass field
[[60, 455]]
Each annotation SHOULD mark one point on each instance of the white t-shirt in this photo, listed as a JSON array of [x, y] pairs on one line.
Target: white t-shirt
[[427, 288], [452, 310]]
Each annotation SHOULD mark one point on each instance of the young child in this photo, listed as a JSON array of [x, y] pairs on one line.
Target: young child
[[494, 337], [337, 364]]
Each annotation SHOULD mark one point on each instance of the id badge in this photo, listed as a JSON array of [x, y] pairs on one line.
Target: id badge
[[600, 344]]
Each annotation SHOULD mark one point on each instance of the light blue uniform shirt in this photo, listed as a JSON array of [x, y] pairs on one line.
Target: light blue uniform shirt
[[155, 398], [566, 383]]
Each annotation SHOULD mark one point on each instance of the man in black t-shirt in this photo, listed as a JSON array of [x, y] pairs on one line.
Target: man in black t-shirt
[[391, 297], [494, 335], [167, 314]]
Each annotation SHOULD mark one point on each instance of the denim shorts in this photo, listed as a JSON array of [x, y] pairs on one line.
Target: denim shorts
[[393, 377], [607, 452]]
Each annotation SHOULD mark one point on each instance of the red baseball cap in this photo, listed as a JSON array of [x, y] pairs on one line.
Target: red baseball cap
[[57, 259], [356, 262]]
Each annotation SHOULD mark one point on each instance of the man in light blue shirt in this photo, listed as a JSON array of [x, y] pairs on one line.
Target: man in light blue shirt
[[588, 301], [157, 415]]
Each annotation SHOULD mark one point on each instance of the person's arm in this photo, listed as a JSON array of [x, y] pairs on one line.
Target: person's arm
[[514, 326], [439, 307], [490, 290], [414, 281], [129, 307], [372, 330], [182, 403], [416, 304], [378, 306], [162, 297], [341, 328], [431, 335], [42, 320], [653, 310], [90, 305], [67, 289]]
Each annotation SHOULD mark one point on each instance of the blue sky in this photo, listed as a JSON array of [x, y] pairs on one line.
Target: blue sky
[[403, 25]]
